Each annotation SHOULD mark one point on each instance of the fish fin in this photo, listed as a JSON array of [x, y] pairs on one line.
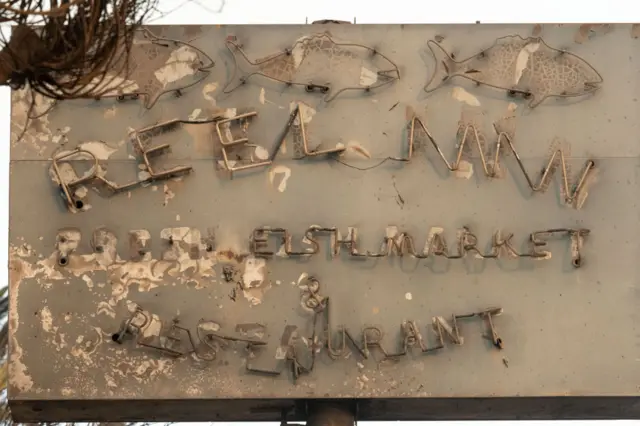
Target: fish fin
[[444, 67]]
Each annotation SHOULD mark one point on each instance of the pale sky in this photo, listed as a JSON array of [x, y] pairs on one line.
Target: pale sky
[[365, 11]]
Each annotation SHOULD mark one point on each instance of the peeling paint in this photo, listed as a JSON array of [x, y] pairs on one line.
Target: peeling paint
[[285, 174], [196, 112], [179, 65], [465, 170], [261, 98], [168, 194], [83, 349], [146, 274], [81, 192], [46, 319], [367, 77], [209, 326], [19, 269], [591, 180], [261, 153], [104, 308], [88, 281], [229, 113], [208, 90], [253, 274], [110, 112], [523, 60], [100, 149], [459, 94], [298, 51], [356, 147], [153, 327], [306, 112], [253, 279]]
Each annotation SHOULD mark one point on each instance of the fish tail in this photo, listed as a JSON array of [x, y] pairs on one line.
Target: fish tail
[[443, 66], [241, 65]]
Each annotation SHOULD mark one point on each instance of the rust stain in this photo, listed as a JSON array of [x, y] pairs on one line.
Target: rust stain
[[537, 30], [230, 255], [635, 31], [409, 112], [192, 31], [588, 30], [202, 135]]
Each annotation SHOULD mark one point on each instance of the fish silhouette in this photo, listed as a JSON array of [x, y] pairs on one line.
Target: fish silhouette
[[524, 66], [319, 64]]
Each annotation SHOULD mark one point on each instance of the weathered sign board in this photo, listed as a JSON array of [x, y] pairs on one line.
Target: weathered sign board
[[435, 222]]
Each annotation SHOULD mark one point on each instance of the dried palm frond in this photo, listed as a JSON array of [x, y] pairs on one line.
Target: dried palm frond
[[68, 49]]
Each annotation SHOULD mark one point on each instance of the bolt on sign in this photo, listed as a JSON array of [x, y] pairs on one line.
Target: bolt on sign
[[405, 217]]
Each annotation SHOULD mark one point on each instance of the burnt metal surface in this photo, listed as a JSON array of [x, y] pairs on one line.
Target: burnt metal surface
[[174, 246]]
